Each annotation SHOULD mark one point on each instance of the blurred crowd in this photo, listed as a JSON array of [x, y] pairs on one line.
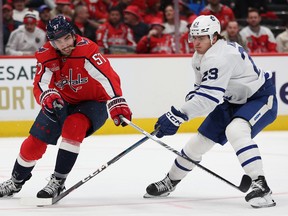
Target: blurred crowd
[[146, 26]]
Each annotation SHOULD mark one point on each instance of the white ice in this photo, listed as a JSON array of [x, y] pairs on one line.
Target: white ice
[[118, 190]]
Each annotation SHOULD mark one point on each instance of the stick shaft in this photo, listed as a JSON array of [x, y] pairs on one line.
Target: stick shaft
[[246, 180], [103, 167]]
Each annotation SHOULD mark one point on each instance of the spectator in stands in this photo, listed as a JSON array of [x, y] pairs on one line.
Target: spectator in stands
[[45, 16], [156, 42], [27, 38], [222, 12], [114, 33], [81, 2], [49, 3], [184, 10], [232, 33], [185, 46], [133, 20], [165, 3], [169, 22], [63, 7], [38, 3], [152, 11], [196, 6], [99, 10], [242, 7], [9, 24], [257, 38], [282, 40], [123, 4], [82, 24], [20, 10], [141, 4]]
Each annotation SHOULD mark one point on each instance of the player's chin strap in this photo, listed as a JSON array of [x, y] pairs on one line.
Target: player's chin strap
[[245, 182]]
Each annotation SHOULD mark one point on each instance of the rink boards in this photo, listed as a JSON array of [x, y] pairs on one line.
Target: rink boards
[[151, 84]]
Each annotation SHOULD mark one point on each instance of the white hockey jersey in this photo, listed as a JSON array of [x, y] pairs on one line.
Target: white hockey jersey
[[225, 71]]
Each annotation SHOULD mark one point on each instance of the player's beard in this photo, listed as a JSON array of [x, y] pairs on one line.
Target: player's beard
[[67, 50]]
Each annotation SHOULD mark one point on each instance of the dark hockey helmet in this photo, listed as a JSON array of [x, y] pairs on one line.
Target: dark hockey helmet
[[58, 27]]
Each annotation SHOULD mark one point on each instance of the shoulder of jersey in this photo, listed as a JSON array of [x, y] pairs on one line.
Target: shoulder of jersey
[[84, 46], [45, 52]]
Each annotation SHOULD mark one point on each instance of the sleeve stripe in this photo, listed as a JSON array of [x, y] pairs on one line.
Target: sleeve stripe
[[100, 77], [208, 96], [45, 79], [212, 88]]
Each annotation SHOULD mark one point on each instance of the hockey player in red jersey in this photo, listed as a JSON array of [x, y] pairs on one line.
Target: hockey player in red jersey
[[73, 84]]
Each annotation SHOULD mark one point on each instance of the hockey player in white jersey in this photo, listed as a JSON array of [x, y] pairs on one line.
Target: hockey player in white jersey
[[239, 101]]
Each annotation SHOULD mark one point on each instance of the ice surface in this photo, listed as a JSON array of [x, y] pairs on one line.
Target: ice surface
[[118, 190]]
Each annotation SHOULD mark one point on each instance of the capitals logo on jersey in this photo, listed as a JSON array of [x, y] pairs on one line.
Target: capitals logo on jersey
[[73, 84]]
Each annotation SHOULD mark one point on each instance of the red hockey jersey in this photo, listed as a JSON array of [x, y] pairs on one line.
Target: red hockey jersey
[[108, 35], [224, 15], [156, 45], [84, 75], [262, 41]]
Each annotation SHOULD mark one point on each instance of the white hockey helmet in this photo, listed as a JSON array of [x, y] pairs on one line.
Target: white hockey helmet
[[204, 25]]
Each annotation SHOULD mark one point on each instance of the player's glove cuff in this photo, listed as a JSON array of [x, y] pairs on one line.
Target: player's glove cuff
[[118, 106], [169, 122], [176, 117], [47, 93]]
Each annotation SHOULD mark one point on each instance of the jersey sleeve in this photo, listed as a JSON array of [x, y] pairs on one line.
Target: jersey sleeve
[[44, 76], [100, 69], [272, 45], [101, 36], [210, 88], [130, 37], [143, 45]]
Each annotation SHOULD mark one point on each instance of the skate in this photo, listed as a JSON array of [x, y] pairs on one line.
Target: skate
[[53, 188], [10, 187], [161, 188], [260, 196]]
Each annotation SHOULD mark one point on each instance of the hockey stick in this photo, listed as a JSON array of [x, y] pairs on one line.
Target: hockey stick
[[245, 182], [50, 201]]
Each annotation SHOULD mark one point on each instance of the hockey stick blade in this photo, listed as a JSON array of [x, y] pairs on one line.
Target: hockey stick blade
[[245, 182], [34, 201]]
